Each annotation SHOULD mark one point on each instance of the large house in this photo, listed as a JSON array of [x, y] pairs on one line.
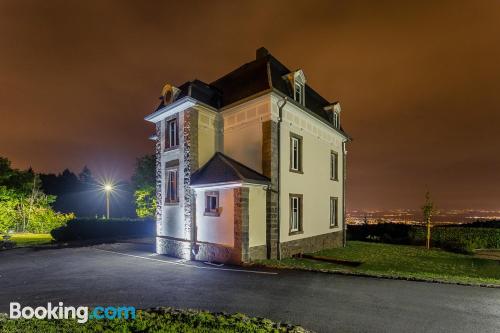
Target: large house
[[250, 166]]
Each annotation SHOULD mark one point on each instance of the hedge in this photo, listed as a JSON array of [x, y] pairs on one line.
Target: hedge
[[461, 239], [457, 238], [88, 229]]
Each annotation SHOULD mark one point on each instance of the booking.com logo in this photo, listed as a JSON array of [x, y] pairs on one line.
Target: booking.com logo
[[80, 313]]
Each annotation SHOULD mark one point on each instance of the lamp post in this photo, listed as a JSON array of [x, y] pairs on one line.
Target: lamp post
[[107, 188]]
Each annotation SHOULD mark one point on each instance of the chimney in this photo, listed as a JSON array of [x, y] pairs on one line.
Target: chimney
[[261, 53]]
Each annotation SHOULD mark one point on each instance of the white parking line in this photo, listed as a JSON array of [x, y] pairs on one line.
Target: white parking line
[[181, 263]]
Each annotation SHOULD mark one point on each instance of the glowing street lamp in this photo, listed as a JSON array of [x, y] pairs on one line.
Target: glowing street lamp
[[108, 188]]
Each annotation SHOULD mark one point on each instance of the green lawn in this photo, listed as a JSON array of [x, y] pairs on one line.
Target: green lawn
[[401, 261], [27, 239], [165, 320]]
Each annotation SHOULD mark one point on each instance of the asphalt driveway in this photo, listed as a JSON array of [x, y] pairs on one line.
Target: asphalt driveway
[[130, 274]]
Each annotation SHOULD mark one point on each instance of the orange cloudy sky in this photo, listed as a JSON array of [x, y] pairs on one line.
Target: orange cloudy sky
[[419, 83]]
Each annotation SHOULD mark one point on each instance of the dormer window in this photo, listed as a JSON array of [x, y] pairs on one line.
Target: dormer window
[[297, 83], [336, 119], [168, 94], [299, 92], [335, 109]]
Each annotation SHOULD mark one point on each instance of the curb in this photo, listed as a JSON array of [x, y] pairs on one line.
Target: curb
[[387, 277]]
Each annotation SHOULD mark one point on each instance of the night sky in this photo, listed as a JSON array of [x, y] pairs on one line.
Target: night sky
[[419, 84]]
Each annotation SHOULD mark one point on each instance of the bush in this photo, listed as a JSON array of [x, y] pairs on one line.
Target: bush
[[165, 320], [392, 233], [88, 229], [458, 238]]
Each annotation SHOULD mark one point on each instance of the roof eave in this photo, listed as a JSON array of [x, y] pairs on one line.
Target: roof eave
[[230, 184], [177, 106]]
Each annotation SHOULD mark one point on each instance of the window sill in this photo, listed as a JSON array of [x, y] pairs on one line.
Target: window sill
[[216, 214], [334, 227], [298, 232], [170, 148], [334, 179], [297, 171], [172, 203]]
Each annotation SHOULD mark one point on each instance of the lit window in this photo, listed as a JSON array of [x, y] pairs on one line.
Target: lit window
[[172, 135], [295, 153], [334, 166], [212, 203], [334, 205], [172, 188], [299, 92], [295, 213]]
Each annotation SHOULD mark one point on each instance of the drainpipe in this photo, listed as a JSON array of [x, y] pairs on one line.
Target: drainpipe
[[344, 178], [281, 104]]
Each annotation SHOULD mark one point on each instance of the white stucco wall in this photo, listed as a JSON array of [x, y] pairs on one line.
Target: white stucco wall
[[206, 135], [243, 131], [257, 216], [314, 183], [216, 229]]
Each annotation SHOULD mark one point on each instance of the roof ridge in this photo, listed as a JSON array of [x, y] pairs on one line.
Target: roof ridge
[[239, 163], [224, 158]]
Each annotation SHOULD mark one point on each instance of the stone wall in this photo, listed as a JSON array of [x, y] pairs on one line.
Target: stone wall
[[312, 244], [159, 171], [241, 222], [270, 169], [257, 252], [189, 148]]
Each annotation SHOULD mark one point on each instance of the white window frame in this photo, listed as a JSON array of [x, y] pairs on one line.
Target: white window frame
[[172, 130], [334, 165], [208, 209], [334, 212], [172, 185], [298, 92], [295, 213], [336, 119], [295, 153]]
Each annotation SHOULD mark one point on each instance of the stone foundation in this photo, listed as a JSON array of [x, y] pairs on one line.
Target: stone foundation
[[311, 244], [200, 251], [257, 252]]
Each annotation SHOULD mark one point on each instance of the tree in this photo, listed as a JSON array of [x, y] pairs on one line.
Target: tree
[[23, 205], [144, 182], [428, 211], [86, 180]]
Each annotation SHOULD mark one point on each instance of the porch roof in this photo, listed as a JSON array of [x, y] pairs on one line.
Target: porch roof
[[222, 169]]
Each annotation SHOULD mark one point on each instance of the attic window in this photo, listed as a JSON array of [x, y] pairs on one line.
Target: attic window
[[336, 119], [298, 92]]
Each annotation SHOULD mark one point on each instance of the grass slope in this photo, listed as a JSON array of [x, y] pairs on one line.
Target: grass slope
[[26, 239], [401, 261]]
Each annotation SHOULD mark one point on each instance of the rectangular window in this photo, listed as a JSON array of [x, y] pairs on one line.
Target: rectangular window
[[336, 122], [295, 153], [334, 219], [212, 203], [171, 134], [172, 178], [299, 92], [334, 166], [295, 213]]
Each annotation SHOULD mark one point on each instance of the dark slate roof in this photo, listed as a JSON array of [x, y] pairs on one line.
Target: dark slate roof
[[223, 169], [264, 73]]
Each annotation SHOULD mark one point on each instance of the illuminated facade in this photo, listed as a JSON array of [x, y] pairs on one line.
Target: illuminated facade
[[250, 166]]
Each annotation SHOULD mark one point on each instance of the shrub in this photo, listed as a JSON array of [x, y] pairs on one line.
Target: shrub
[[165, 320], [384, 232], [460, 238], [88, 229]]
